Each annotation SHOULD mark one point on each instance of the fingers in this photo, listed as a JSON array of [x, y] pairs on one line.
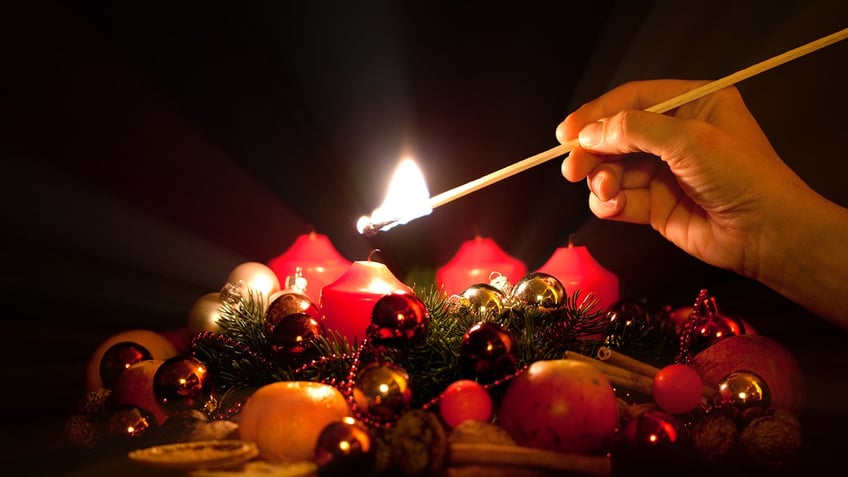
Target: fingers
[[623, 190], [603, 131], [636, 95], [605, 181]]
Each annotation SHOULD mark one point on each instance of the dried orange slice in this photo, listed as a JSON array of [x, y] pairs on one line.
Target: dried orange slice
[[197, 455]]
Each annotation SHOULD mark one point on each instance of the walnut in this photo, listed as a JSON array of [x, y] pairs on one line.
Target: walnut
[[772, 438], [415, 446], [473, 431], [714, 436]]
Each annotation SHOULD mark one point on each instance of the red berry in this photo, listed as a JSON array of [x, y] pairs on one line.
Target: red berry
[[677, 389], [464, 400]]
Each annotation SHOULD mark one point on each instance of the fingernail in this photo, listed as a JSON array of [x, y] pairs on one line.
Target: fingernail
[[611, 204], [591, 134]]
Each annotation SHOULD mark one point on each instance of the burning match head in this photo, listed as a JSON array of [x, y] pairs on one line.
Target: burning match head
[[370, 229]]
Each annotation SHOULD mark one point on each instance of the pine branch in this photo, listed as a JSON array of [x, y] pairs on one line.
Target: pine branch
[[241, 355]]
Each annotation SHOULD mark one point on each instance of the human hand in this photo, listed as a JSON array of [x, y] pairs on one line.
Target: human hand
[[704, 175]]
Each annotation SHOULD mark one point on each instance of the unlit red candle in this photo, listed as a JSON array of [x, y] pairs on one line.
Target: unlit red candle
[[577, 269], [320, 263], [473, 264], [348, 302]]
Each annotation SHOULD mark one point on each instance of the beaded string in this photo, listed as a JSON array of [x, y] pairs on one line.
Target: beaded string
[[704, 310]]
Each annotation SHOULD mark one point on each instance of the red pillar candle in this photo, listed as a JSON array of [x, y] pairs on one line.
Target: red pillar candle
[[320, 263], [473, 263], [347, 303], [577, 269]]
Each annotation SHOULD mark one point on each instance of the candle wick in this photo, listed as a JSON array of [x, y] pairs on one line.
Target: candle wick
[[571, 240], [371, 255]]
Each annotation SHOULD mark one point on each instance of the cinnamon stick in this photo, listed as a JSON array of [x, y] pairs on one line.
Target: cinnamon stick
[[621, 360]]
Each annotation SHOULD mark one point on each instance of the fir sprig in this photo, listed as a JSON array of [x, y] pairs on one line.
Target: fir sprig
[[241, 353]]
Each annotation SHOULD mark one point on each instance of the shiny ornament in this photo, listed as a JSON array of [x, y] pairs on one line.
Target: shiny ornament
[[703, 328], [344, 448], [398, 320], [292, 322], [465, 400], [487, 351], [130, 422], [710, 332], [736, 325], [382, 391], [256, 278], [182, 383], [539, 290], [158, 345], [205, 313], [743, 392], [119, 357], [628, 321], [652, 428], [294, 336], [483, 299]]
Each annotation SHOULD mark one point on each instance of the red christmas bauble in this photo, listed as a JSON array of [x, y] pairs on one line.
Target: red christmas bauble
[[398, 320], [182, 383], [487, 350]]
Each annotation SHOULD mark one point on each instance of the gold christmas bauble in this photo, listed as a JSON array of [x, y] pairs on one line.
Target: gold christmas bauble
[[483, 299], [255, 277], [540, 290], [204, 313]]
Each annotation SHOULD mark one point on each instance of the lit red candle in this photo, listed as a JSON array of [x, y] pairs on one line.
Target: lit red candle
[[320, 263], [347, 303], [474, 262], [577, 269]]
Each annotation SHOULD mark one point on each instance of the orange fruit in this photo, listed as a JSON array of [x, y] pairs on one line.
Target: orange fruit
[[158, 345], [286, 418]]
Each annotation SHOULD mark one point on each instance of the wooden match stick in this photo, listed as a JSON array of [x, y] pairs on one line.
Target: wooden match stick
[[526, 457], [665, 106]]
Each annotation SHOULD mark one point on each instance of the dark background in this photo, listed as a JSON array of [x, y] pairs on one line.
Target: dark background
[[150, 147]]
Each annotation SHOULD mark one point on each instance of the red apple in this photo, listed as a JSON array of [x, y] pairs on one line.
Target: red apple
[[761, 355], [560, 405]]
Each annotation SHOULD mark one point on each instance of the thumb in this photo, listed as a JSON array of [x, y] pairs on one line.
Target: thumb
[[633, 131]]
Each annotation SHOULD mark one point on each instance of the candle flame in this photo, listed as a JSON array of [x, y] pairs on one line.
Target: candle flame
[[407, 199]]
